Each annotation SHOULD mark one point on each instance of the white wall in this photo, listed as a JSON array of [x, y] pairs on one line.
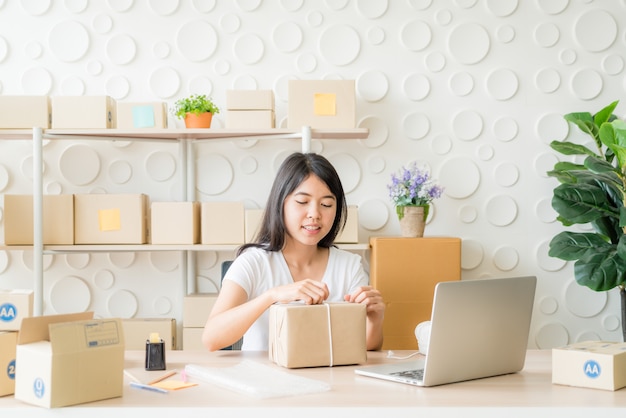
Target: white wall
[[474, 88]]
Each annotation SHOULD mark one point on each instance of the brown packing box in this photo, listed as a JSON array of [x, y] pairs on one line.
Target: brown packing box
[[8, 341], [590, 364], [83, 112], [249, 100], [138, 115], [69, 359], [175, 222], [24, 112], [350, 233], [406, 271], [322, 104], [58, 219], [138, 330], [250, 119], [253, 218], [15, 305], [304, 335], [192, 339], [110, 218], [222, 223], [196, 309]]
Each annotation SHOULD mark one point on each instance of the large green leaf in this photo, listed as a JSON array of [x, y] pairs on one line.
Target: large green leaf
[[571, 246], [600, 270], [606, 114], [569, 148], [613, 135], [582, 203]]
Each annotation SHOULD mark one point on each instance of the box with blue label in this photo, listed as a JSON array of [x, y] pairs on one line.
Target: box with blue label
[[69, 359], [15, 305], [8, 341], [137, 115], [590, 364]]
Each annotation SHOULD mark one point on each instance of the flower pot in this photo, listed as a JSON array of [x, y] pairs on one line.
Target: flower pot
[[202, 120], [412, 220]]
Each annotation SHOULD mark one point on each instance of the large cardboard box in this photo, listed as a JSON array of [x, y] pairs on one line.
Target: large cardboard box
[[250, 119], [322, 104], [330, 334], [350, 233], [58, 219], [590, 364], [196, 308], [249, 99], [15, 305], [8, 342], [110, 218], [252, 223], [138, 330], [406, 271], [175, 222], [24, 112], [137, 115], [69, 359], [83, 112], [222, 223], [192, 339]]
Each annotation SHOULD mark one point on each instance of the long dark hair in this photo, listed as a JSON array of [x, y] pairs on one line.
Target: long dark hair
[[293, 171]]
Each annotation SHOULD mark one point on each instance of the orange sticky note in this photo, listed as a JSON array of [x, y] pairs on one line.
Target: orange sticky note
[[173, 384], [325, 104], [109, 220]]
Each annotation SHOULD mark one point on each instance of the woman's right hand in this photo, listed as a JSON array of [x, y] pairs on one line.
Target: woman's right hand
[[311, 292]]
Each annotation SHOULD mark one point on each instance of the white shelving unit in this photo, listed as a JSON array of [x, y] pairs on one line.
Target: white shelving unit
[[185, 137]]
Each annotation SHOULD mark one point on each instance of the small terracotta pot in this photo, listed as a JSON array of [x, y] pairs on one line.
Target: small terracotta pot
[[203, 120]]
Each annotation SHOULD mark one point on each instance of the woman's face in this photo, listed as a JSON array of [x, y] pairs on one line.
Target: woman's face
[[310, 211]]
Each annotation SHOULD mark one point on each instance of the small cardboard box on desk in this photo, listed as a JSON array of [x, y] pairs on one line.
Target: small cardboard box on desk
[[590, 364], [329, 334], [69, 359]]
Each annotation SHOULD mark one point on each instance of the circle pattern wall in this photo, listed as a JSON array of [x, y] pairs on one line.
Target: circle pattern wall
[[473, 89]]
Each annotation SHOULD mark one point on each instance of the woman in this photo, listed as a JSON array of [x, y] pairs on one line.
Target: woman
[[293, 259]]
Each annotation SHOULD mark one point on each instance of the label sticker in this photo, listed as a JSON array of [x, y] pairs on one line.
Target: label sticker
[[325, 104], [8, 312], [592, 369], [109, 220]]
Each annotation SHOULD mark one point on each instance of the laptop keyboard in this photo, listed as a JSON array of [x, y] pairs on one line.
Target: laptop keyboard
[[417, 374]]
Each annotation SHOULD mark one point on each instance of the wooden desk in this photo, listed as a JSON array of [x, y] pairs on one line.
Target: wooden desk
[[527, 393]]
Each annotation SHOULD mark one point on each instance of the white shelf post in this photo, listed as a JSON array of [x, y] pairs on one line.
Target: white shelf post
[[37, 221]]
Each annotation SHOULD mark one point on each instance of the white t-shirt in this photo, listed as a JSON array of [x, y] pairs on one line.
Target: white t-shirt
[[257, 271]]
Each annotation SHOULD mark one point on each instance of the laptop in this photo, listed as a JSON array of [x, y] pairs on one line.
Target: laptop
[[479, 328]]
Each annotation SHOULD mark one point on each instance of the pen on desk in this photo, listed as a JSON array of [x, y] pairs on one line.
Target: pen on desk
[[163, 377], [147, 387]]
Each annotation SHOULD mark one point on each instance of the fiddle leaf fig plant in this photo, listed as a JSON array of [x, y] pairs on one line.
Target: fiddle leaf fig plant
[[594, 193]]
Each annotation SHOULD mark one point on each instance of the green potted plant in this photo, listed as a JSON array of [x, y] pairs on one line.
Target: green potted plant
[[594, 193], [196, 110]]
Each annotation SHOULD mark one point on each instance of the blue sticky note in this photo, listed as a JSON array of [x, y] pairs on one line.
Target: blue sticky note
[[143, 117]]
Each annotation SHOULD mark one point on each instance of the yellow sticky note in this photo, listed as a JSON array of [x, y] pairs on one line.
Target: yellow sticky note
[[173, 384], [109, 220], [325, 104]]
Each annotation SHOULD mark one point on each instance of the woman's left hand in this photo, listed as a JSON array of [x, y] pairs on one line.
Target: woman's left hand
[[371, 297]]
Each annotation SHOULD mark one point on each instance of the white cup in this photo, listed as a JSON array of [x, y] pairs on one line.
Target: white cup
[[422, 334]]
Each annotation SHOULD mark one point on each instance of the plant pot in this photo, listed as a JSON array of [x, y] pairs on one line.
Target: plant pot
[[202, 120], [412, 220]]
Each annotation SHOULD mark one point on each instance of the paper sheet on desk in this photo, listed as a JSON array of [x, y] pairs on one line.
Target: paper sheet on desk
[[255, 379]]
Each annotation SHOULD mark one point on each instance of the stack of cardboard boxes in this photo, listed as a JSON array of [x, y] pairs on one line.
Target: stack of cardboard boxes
[[250, 109]]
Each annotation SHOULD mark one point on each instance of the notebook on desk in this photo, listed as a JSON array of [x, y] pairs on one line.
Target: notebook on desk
[[479, 328]]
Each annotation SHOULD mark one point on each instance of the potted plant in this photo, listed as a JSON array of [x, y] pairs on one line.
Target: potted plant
[[196, 110], [594, 193], [412, 190]]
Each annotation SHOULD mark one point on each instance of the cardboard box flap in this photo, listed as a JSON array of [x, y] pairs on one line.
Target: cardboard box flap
[[36, 328], [77, 336]]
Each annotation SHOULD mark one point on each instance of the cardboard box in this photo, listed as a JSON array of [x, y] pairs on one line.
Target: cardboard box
[[590, 364], [192, 339], [250, 119], [322, 104], [15, 305], [138, 330], [330, 334], [350, 233], [175, 222], [24, 112], [249, 100], [196, 309], [69, 359], [138, 115], [252, 223], [58, 219], [83, 112], [222, 223], [8, 342], [110, 218]]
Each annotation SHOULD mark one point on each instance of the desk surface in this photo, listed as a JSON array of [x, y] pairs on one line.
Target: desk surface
[[529, 392]]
